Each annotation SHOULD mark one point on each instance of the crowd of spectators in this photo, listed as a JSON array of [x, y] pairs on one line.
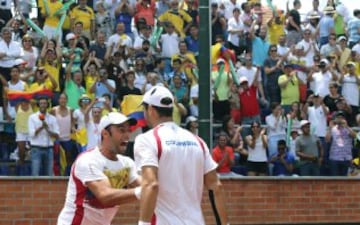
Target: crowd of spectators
[[288, 107]]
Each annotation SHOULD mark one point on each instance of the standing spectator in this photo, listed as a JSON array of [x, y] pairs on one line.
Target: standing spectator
[[93, 177], [350, 89], [353, 27], [161, 186], [178, 18], [63, 115], [223, 155], [323, 78], [81, 114], [234, 101], [276, 27], [330, 47], [15, 84], [249, 71], [326, 25], [283, 161], [315, 10], [5, 12], [310, 47], [51, 20], [290, 87], [276, 123], [91, 73], [99, 46], [194, 100], [140, 73], [228, 6], [4, 114], [273, 69], [345, 52], [169, 45], [260, 47], [282, 48], [73, 85], [294, 25], [43, 128], [29, 53], [93, 130], [192, 41], [124, 14], [129, 88], [218, 23], [103, 20], [9, 52], [235, 31], [222, 82], [310, 151], [84, 14], [247, 17], [249, 104], [146, 9], [341, 137], [332, 97], [257, 144], [23, 112], [73, 51], [120, 38]]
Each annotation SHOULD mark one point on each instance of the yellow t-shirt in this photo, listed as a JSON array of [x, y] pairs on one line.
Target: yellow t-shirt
[[176, 116], [89, 81], [275, 31], [105, 111], [51, 20], [290, 93], [21, 120], [53, 71], [85, 16], [177, 19]]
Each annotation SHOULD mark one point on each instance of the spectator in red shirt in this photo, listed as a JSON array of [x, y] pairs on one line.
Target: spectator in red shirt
[[223, 155], [146, 9], [249, 105]]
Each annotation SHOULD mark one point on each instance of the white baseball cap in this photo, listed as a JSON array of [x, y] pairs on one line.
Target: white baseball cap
[[159, 96], [70, 36], [304, 122], [115, 118], [243, 80], [190, 119]]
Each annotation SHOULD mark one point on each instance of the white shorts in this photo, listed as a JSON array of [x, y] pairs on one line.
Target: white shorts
[[22, 137]]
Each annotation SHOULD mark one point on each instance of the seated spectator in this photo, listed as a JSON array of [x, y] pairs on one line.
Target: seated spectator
[[257, 144], [283, 161], [176, 66], [191, 124], [179, 91], [124, 13], [223, 155], [9, 52], [99, 47], [81, 114], [235, 104]]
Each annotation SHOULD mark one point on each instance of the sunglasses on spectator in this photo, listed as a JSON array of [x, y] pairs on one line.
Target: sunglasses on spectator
[[273, 50]]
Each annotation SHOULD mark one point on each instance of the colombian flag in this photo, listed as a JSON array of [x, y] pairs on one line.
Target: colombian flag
[[131, 107], [15, 97]]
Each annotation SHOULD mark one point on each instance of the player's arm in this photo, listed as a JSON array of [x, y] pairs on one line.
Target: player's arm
[[213, 183], [149, 192], [109, 196]]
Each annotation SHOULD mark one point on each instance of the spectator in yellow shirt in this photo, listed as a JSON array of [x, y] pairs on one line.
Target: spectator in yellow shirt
[[276, 27], [177, 17], [86, 15], [51, 20]]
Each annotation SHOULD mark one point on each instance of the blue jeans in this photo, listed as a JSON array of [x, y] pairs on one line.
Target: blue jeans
[[42, 161], [310, 169], [339, 168]]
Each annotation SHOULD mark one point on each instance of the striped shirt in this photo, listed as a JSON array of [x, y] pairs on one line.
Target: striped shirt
[[353, 29]]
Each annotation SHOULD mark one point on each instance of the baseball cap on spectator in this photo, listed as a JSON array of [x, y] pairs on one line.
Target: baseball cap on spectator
[[325, 61], [341, 38], [329, 10], [115, 118], [316, 95], [304, 122], [70, 36], [314, 15], [221, 60], [243, 80], [190, 119], [20, 62], [350, 63], [159, 96], [340, 113]]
